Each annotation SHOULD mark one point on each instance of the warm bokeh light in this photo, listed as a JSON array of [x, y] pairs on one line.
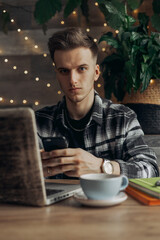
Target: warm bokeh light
[[24, 101], [36, 103], [37, 79]]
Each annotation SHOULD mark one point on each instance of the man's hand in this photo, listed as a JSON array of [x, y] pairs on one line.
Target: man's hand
[[71, 161]]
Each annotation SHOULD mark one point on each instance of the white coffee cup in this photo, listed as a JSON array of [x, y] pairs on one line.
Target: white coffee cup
[[101, 186]]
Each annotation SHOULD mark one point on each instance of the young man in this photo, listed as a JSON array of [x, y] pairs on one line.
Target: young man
[[102, 136]]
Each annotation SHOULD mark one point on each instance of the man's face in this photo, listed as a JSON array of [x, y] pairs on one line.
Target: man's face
[[76, 71]]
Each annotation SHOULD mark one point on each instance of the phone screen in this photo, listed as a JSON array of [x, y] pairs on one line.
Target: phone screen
[[52, 143]]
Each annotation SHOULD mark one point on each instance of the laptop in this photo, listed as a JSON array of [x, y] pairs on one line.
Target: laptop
[[21, 174]]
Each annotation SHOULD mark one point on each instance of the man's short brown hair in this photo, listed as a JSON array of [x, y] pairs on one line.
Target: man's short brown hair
[[71, 38]]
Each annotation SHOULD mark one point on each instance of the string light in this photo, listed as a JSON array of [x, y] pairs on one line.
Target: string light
[[53, 64], [37, 79], [48, 84], [96, 3], [1, 99], [26, 38], [36, 103], [59, 92], [74, 12], [95, 39], [151, 81], [14, 67], [103, 49], [4, 11], [135, 11], [18, 30], [62, 22], [87, 30], [12, 20], [45, 55], [5, 60], [105, 24], [25, 72], [24, 101], [35, 46], [98, 85], [11, 101], [116, 31]]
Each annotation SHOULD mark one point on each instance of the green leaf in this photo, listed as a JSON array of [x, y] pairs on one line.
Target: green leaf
[[155, 20], [145, 58], [110, 41], [134, 4], [145, 76], [5, 20], [156, 6], [134, 36], [70, 6], [46, 9]]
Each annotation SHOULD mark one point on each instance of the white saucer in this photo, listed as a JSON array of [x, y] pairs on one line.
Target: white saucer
[[81, 198]]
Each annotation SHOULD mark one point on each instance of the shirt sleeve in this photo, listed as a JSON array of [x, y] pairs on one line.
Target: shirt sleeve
[[139, 161]]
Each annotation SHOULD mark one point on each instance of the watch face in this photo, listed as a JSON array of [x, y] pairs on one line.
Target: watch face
[[107, 167]]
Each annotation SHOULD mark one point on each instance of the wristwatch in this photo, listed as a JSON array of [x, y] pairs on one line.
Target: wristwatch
[[107, 167]]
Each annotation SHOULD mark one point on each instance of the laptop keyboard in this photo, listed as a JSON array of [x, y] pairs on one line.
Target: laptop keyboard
[[52, 191]]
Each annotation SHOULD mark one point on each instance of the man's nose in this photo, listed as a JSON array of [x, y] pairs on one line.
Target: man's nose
[[73, 77]]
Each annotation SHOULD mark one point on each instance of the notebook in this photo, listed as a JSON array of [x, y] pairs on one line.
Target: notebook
[[21, 174], [142, 197], [146, 185]]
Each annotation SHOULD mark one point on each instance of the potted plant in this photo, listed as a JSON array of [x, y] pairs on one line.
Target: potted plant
[[136, 56]]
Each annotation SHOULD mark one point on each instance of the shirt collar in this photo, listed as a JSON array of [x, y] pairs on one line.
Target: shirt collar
[[97, 114]]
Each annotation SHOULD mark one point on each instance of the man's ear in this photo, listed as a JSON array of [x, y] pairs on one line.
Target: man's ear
[[97, 72]]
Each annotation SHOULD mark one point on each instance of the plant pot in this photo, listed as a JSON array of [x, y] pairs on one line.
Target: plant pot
[[151, 95], [147, 107]]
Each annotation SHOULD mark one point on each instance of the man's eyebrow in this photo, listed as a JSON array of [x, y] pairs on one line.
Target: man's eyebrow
[[60, 68]]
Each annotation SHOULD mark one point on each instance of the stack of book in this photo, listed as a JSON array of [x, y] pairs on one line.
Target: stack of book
[[145, 190]]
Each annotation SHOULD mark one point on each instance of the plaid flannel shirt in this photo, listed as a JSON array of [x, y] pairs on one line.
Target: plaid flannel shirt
[[112, 133]]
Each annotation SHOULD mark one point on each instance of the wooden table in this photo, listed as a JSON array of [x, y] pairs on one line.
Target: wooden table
[[69, 220]]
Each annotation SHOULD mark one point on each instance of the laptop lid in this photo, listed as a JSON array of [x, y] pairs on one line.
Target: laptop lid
[[21, 176]]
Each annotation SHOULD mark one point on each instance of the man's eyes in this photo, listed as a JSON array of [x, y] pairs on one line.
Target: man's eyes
[[83, 69], [64, 71]]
